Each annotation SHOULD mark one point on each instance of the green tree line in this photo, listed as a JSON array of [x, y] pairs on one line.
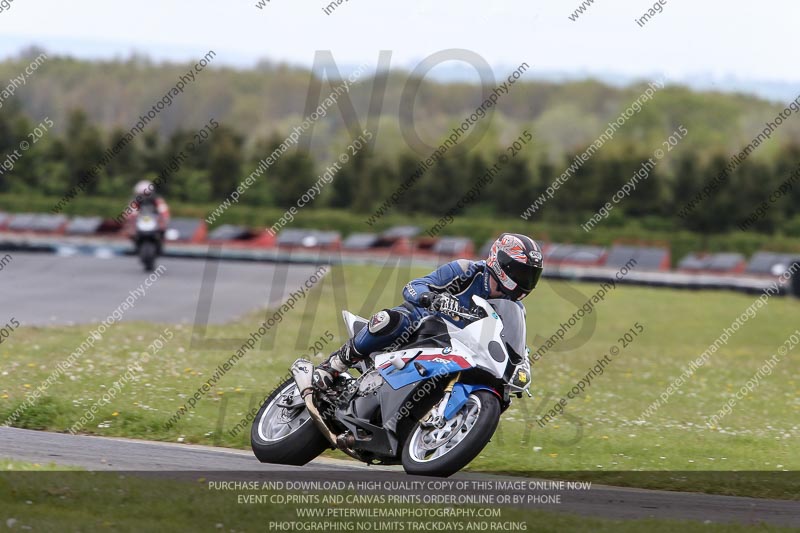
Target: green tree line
[[214, 169], [93, 104]]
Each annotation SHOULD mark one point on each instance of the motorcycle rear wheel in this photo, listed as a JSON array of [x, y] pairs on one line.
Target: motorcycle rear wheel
[[286, 436], [444, 451]]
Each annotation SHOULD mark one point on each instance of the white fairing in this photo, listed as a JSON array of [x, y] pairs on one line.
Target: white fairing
[[475, 338], [146, 223], [351, 320], [473, 341]]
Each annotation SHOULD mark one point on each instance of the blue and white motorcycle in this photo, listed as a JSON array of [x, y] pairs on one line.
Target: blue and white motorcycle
[[431, 406]]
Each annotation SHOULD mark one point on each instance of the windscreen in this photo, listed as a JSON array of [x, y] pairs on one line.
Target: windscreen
[[513, 324]]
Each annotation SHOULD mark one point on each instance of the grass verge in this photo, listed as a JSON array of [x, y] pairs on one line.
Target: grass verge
[[600, 431]]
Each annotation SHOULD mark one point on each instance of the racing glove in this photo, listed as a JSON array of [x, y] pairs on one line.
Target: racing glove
[[443, 302], [446, 303]]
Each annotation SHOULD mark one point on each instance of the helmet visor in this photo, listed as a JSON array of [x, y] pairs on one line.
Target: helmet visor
[[524, 275]]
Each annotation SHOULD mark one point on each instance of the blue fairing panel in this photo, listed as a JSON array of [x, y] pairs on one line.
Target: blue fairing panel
[[459, 395], [409, 374]]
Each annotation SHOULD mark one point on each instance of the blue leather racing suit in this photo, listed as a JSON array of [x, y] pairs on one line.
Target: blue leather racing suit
[[461, 278]]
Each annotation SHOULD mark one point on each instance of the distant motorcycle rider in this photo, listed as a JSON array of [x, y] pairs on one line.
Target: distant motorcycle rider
[[511, 271], [144, 194]]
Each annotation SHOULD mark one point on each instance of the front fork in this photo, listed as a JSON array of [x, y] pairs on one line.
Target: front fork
[[436, 416]]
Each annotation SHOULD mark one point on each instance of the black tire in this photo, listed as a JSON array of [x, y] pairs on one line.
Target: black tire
[[476, 438], [148, 252], [296, 448]]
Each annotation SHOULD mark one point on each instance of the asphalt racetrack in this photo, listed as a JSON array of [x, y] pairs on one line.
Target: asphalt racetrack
[[111, 454], [45, 290]]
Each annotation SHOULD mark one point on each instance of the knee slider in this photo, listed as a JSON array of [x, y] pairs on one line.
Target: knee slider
[[385, 322]]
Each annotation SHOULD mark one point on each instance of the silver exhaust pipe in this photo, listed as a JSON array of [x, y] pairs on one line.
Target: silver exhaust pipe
[[302, 370]]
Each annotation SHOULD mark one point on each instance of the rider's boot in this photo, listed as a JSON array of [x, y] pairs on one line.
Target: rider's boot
[[338, 362]]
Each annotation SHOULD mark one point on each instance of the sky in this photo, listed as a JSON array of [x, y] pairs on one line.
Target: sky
[[701, 38]]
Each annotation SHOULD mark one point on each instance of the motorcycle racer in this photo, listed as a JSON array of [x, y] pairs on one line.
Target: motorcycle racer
[[144, 194], [511, 271]]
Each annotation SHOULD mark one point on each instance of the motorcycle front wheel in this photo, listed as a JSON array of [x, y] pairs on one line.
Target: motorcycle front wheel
[[283, 431], [147, 252], [434, 451]]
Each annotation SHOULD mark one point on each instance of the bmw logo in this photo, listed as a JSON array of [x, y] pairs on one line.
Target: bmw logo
[[447, 350]]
